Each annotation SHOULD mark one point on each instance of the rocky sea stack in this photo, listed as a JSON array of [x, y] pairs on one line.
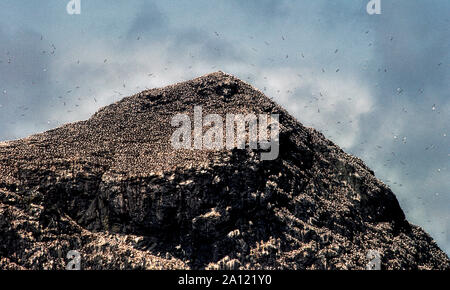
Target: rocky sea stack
[[114, 189]]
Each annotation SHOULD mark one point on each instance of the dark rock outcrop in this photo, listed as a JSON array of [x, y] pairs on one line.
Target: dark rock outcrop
[[114, 189]]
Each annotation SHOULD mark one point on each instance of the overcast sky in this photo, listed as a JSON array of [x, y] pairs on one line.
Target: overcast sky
[[377, 85]]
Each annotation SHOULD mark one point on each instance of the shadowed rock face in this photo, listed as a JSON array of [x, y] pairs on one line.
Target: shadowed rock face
[[114, 189]]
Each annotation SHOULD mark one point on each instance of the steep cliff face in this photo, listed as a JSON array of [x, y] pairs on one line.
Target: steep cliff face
[[114, 189]]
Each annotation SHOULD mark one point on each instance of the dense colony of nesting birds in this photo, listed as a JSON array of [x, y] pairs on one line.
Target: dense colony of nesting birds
[[114, 190]]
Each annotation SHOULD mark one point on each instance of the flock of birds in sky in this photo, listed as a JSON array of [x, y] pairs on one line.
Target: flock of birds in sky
[[71, 101]]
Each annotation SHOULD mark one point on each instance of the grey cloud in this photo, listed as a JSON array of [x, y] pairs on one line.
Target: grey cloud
[[263, 10], [149, 23], [25, 82]]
